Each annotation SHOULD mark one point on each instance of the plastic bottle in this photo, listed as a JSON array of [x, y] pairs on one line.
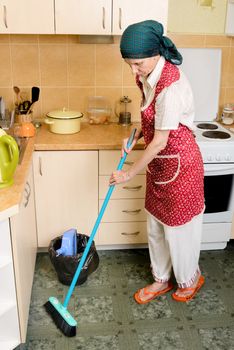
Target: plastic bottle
[[69, 243]]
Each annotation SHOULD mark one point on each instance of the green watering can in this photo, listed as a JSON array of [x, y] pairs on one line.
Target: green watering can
[[9, 158]]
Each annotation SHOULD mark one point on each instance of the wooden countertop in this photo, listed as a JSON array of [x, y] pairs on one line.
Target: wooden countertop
[[90, 137]]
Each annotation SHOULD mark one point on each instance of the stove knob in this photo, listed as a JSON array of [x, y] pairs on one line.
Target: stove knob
[[209, 158], [218, 158], [228, 157]]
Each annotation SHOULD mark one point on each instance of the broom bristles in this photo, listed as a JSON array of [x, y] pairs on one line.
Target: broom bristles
[[61, 317]]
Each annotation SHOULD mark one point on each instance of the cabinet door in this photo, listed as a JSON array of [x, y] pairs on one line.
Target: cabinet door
[[126, 12], [27, 17], [66, 190], [24, 244], [83, 16]]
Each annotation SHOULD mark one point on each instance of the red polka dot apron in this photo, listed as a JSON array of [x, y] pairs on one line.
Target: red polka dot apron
[[175, 177]]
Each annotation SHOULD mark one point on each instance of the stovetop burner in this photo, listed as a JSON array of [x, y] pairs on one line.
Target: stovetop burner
[[216, 134], [208, 126]]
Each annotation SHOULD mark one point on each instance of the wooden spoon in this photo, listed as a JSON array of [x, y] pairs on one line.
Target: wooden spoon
[[18, 97]]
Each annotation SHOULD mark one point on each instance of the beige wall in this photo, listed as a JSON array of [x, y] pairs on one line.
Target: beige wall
[[68, 72]]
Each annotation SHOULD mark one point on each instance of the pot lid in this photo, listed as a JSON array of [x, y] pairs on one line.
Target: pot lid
[[64, 114]]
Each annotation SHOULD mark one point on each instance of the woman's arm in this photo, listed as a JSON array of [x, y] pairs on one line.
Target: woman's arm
[[158, 143]]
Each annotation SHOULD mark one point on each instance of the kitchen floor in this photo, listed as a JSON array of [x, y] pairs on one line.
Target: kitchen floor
[[109, 318]]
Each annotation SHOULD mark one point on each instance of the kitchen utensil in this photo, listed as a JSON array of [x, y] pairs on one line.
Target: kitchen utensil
[[99, 110], [2, 108], [9, 157], [35, 94], [18, 97], [63, 319], [64, 121], [123, 115]]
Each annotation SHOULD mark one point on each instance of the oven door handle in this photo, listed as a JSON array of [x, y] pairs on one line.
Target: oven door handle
[[218, 169]]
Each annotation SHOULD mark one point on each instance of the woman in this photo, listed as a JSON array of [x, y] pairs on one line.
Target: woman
[[174, 181]]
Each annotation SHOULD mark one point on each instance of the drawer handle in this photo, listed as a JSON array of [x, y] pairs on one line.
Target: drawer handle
[[128, 163], [130, 233], [103, 18], [134, 212], [132, 188]]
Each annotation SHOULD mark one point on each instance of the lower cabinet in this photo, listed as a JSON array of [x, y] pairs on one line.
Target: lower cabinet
[[24, 247], [124, 221], [9, 323], [66, 191]]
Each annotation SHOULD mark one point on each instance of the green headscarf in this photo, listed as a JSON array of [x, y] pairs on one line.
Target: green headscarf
[[146, 39]]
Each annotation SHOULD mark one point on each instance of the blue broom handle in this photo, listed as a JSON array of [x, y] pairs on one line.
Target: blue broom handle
[[94, 231]]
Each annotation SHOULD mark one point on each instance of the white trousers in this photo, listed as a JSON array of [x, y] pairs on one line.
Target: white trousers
[[175, 247]]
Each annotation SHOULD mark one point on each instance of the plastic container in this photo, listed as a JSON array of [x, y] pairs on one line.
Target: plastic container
[[65, 266], [69, 243], [99, 110]]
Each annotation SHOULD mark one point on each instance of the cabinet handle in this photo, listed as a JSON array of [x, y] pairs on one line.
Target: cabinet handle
[[128, 163], [103, 18], [134, 212], [5, 15], [120, 18], [130, 233], [28, 193], [132, 188], [40, 166]]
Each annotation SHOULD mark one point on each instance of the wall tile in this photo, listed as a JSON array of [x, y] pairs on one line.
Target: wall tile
[[128, 76], [108, 65], [53, 39], [53, 98], [230, 74], [229, 97], [7, 94], [217, 40], [23, 39], [4, 39], [25, 65], [81, 65], [226, 52], [187, 40], [5, 66], [53, 61], [78, 99]]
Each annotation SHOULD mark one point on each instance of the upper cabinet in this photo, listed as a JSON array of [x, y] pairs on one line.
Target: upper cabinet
[[27, 17], [229, 28], [104, 17], [197, 16]]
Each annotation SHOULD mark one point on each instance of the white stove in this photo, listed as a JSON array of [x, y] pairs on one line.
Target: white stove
[[203, 68], [215, 142]]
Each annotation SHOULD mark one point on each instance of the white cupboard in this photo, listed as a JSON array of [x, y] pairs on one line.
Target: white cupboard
[[27, 17], [24, 246], [66, 192], [9, 324], [105, 16]]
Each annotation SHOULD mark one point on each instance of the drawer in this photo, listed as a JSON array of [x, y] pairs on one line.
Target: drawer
[[124, 210], [122, 233], [109, 160], [132, 189]]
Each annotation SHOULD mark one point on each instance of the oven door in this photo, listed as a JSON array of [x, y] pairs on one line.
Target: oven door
[[219, 192]]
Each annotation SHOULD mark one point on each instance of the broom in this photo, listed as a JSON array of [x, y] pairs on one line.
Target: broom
[[61, 317]]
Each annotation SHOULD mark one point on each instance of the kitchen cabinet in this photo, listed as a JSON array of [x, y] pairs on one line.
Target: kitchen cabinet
[[27, 17], [24, 246], [9, 324], [124, 221], [229, 25], [66, 192], [105, 16]]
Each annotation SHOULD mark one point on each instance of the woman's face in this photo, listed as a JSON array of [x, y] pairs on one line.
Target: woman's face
[[142, 66]]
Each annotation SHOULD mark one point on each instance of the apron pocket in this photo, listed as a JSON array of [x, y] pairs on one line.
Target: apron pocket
[[164, 169]]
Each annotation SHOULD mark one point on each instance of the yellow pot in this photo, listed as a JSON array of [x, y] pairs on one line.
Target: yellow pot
[[64, 121]]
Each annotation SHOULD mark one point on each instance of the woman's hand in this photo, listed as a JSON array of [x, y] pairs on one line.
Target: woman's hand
[[118, 177], [125, 141]]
